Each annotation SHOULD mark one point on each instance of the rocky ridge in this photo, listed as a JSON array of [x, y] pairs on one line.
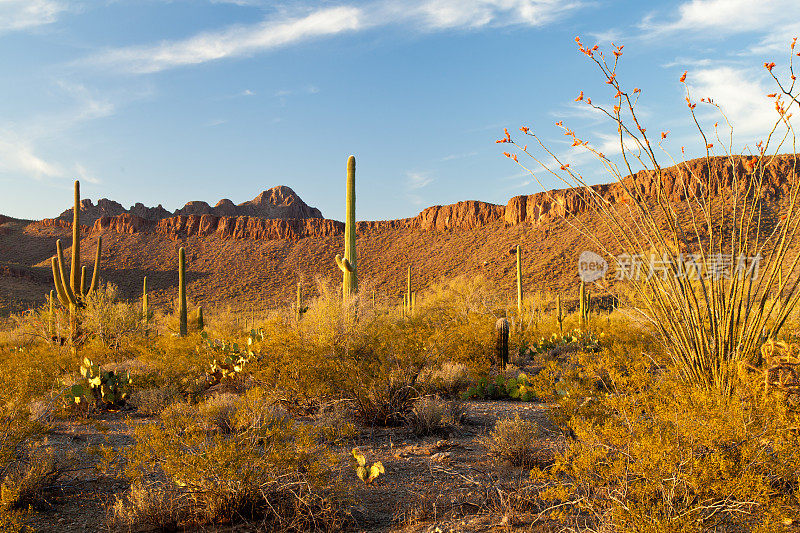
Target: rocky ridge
[[674, 185], [279, 202]]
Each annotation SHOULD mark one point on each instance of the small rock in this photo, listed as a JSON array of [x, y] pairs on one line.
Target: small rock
[[440, 457]]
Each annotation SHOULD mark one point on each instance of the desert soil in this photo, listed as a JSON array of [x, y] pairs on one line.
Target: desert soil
[[432, 484]]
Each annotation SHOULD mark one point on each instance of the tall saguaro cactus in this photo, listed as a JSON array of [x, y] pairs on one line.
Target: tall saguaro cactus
[[182, 313], [72, 292], [559, 314], [51, 319], [517, 250], [501, 342], [408, 301], [584, 305], [348, 264]]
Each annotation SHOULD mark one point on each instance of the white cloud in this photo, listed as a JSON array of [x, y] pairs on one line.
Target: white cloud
[[23, 14], [728, 16], [452, 157], [244, 40], [463, 14], [17, 157], [235, 41], [741, 93], [20, 145], [777, 40], [418, 180], [84, 175]]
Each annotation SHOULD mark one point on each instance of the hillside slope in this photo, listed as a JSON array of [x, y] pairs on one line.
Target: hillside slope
[[254, 263]]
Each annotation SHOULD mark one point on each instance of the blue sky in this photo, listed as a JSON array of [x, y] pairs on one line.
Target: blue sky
[[160, 101]]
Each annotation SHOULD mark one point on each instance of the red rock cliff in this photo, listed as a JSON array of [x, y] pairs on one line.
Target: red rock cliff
[[540, 208], [675, 184]]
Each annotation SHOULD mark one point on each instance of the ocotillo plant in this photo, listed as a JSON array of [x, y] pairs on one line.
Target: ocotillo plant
[[559, 314], [182, 315], [72, 291], [501, 342], [584, 306], [348, 264], [517, 250]]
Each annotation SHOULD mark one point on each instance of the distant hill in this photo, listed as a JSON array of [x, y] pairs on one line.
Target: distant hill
[[277, 202], [240, 259]]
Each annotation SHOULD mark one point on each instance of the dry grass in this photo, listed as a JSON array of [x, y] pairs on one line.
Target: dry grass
[[432, 415], [514, 440]]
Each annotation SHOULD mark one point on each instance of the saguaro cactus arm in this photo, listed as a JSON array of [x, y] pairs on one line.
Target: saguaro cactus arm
[[343, 264], [75, 266], [84, 292], [60, 278], [96, 272]]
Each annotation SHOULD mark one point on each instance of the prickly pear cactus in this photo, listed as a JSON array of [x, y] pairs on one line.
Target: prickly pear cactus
[[106, 388], [229, 358]]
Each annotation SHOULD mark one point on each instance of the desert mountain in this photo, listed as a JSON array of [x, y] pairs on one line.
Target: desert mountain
[[252, 262], [277, 202]]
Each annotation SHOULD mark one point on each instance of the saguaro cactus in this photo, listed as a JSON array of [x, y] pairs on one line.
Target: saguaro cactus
[[501, 342], [408, 304], [584, 305], [200, 323], [72, 291], [348, 264], [517, 250], [51, 319], [300, 307], [559, 314], [145, 303], [182, 314]]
